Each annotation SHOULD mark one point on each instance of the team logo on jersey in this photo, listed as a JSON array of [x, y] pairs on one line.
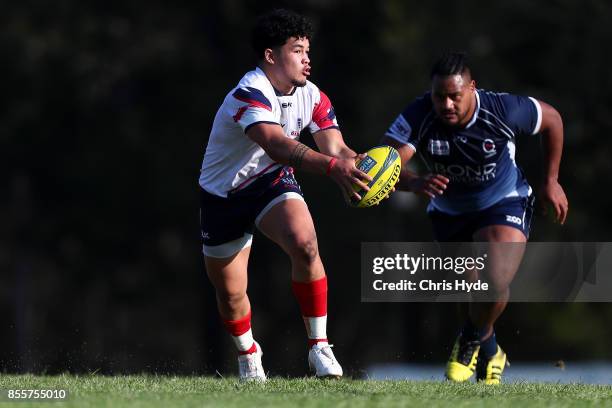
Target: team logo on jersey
[[461, 139], [489, 148], [439, 147]]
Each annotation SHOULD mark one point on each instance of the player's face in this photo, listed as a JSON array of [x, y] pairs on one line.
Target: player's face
[[453, 98], [293, 62]]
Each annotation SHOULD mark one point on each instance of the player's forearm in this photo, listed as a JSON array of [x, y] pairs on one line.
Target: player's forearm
[[297, 155], [552, 145], [331, 143], [344, 152], [287, 151]]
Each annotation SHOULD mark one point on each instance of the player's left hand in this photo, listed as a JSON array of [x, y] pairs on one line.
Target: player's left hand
[[552, 194], [345, 174]]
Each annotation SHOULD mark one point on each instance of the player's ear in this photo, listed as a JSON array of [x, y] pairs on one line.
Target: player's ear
[[269, 56], [472, 85]]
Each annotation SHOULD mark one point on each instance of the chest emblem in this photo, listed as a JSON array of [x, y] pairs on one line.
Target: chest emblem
[[438, 147], [488, 146]]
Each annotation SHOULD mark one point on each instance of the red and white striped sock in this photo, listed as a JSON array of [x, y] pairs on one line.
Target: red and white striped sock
[[312, 298], [241, 334]]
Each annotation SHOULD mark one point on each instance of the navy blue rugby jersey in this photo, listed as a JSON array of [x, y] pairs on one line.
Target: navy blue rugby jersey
[[478, 159]]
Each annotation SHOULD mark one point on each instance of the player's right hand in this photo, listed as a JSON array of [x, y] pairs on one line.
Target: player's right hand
[[431, 185], [552, 194], [346, 174]]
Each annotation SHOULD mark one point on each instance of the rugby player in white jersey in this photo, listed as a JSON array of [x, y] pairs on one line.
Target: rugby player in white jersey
[[247, 181]]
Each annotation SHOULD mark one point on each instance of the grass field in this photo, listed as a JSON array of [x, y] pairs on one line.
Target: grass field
[[167, 391]]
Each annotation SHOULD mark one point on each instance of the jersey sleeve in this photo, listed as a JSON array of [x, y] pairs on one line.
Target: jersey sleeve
[[403, 127], [323, 115], [523, 114], [249, 106]]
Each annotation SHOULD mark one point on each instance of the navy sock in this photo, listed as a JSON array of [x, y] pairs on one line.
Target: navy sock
[[489, 346]]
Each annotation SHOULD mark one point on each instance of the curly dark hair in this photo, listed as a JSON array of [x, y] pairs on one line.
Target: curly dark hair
[[274, 28], [451, 63]]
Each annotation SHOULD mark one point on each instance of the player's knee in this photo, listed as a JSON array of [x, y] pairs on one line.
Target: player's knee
[[304, 248], [498, 289], [499, 282], [231, 297]]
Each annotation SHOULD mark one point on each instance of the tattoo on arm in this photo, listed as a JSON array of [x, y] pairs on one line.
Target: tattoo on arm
[[297, 155]]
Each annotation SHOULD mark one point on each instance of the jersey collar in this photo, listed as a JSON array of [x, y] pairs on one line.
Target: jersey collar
[[276, 91], [475, 116]]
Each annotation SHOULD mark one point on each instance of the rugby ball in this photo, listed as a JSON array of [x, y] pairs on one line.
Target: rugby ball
[[383, 164]]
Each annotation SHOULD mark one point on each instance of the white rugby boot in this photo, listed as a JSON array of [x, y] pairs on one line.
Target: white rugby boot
[[250, 367], [321, 360]]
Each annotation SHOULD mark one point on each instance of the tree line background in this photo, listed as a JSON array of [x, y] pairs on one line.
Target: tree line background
[[104, 117]]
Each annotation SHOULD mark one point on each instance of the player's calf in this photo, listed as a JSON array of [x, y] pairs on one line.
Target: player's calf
[[312, 298]]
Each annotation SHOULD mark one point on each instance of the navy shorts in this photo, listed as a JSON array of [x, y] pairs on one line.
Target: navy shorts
[[229, 220], [515, 212]]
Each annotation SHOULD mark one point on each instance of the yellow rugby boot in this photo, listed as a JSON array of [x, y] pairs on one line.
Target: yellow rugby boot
[[462, 361], [490, 370]]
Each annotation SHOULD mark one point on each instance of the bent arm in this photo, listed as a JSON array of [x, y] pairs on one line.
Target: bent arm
[[430, 185], [285, 150], [552, 145], [552, 138]]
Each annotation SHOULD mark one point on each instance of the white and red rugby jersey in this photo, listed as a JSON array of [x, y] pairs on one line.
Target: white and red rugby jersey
[[232, 160]]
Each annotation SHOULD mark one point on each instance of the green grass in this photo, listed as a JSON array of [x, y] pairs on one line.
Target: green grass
[[168, 391]]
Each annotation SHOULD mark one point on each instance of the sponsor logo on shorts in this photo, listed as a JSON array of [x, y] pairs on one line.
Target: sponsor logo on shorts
[[513, 219], [289, 181], [439, 147]]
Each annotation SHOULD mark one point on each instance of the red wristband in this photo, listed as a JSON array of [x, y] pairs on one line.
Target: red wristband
[[331, 165]]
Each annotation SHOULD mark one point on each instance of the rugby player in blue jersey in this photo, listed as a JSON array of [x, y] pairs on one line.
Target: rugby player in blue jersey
[[466, 136]]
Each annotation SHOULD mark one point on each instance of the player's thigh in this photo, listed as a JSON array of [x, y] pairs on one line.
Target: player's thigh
[[290, 225], [229, 275], [504, 253]]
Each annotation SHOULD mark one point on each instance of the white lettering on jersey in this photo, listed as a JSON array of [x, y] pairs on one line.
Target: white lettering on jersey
[[466, 173]]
